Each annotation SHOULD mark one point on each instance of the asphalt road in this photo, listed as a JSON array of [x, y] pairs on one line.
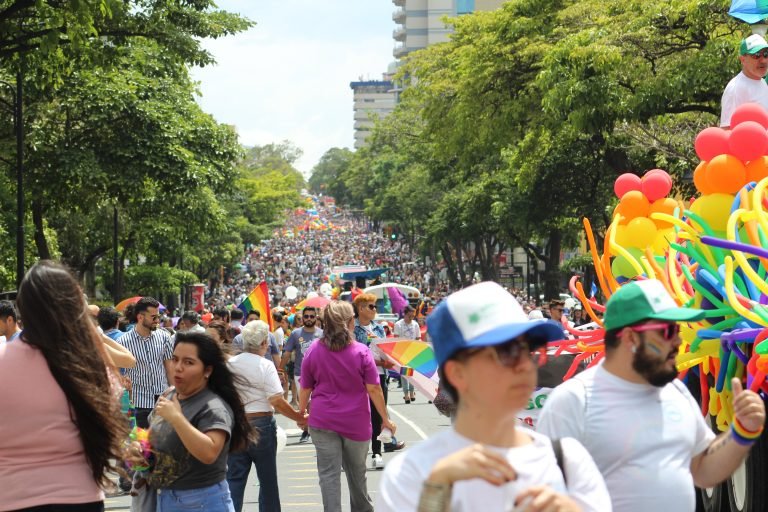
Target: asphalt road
[[297, 469]]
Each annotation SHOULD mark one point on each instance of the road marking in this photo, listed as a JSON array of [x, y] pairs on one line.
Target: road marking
[[411, 424]]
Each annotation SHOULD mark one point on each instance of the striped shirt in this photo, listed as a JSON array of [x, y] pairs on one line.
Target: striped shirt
[[148, 379]]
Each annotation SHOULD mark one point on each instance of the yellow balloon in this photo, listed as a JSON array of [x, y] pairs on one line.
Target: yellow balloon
[[640, 232], [661, 241], [714, 209]]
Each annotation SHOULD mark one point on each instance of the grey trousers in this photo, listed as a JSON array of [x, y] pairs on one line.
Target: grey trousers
[[333, 452]]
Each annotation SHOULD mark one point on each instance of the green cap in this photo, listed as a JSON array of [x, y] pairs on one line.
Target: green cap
[[645, 300], [752, 44]]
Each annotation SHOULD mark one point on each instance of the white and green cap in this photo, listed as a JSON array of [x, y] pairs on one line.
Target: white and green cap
[[752, 44], [645, 300]]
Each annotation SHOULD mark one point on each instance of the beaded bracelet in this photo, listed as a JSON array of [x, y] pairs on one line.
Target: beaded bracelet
[[743, 436], [434, 497]]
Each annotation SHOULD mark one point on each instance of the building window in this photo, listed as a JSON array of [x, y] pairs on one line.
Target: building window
[[465, 6]]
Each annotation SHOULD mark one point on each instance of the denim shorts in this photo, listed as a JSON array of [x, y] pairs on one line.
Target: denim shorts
[[215, 498]]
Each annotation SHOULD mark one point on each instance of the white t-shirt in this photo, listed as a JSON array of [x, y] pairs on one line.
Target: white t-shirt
[[411, 331], [642, 437], [279, 337], [534, 463], [742, 89], [262, 380]]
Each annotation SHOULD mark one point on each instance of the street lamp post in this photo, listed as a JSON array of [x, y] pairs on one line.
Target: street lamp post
[[19, 126]]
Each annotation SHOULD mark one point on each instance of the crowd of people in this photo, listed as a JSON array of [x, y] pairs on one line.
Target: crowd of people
[[304, 258]]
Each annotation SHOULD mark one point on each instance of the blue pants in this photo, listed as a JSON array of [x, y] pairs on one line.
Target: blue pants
[[211, 499], [263, 455]]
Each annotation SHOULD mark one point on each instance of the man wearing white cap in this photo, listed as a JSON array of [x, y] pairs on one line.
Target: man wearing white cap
[[640, 423], [487, 351], [748, 86]]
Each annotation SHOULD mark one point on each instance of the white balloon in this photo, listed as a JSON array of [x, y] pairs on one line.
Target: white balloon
[[326, 290], [291, 292], [282, 439], [311, 295]]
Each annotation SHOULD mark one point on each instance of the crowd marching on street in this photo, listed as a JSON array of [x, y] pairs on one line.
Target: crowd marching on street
[[182, 412]]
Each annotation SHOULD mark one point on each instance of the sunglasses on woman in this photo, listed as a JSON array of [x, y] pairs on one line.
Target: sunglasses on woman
[[511, 353], [668, 331]]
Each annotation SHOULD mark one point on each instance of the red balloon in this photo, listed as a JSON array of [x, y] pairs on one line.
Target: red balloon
[[655, 186], [663, 173], [749, 112], [711, 142], [748, 141], [626, 183]]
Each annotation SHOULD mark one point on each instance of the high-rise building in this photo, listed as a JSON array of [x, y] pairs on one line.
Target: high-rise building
[[420, 22], [373, 99]]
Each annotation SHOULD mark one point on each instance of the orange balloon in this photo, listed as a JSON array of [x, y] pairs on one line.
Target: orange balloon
[[665, 205], [700, 178], [633, 204], [726, 174], [757, 169]]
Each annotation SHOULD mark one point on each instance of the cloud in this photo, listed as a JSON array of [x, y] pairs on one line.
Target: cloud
[[288, 77]]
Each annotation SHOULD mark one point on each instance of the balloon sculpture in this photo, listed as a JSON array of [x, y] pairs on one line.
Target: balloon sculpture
[[711, 254]]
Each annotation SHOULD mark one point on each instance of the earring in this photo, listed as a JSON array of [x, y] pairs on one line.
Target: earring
[[634, 350]]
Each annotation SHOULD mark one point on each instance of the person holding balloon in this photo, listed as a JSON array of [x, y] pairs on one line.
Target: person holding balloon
[[638, 422], [748, 86]]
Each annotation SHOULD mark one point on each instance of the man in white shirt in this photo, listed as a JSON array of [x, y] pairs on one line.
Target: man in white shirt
[[640, 423], [748, 86], [487, 351], [408, 328]]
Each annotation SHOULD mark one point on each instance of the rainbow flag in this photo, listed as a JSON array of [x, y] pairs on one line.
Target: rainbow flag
[[258, 300], [407, 371]]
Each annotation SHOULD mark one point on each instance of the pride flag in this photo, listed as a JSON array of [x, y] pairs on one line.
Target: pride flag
[[258, 300]]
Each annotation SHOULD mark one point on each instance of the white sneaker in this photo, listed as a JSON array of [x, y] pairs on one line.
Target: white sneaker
[[377, 462]]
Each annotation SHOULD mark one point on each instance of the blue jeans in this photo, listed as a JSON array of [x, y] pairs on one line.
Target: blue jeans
[[210, 499], [263, 455]]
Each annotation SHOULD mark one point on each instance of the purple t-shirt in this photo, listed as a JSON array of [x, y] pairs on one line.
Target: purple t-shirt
[[339, 395]]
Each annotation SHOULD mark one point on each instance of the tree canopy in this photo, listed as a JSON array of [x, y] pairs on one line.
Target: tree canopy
[[518, 126]]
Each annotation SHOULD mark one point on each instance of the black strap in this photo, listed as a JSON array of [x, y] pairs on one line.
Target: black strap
[[557, 447]]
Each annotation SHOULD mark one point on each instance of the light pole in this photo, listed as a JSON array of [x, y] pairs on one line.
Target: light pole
[[19, 126]]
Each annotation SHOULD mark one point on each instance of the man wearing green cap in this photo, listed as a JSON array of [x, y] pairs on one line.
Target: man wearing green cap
[[639, 423], [748, 86]]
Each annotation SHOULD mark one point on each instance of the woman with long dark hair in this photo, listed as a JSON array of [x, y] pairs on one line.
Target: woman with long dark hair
[[194, 426], [340, 376], [62, 427]]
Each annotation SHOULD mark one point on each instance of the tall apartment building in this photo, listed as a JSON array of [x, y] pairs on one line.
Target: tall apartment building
[[372, 99], [420, 22]]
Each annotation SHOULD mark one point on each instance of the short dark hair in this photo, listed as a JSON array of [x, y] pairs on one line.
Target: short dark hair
[[144, 304], [278, 317], [190, 316], [7, 309], [560, 303], [409, 309], [255, 312], [236, 314], [612, 338], [107, 318], [221, 313], [309, 308]]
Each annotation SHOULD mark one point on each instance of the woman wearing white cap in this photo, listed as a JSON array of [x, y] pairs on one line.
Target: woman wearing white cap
[[487, 351]]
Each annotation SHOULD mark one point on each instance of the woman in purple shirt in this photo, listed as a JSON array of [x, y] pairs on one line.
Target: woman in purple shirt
[[340, 376]]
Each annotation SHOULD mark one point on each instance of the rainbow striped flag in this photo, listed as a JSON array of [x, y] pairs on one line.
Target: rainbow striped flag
[[406, 370], [258, 300]]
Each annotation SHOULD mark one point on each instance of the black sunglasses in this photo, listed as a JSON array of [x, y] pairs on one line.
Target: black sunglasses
[[760, 55], [309, 317], [372, 307]]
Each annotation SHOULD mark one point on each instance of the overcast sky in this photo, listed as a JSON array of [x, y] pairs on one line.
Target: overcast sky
[[288, 77]]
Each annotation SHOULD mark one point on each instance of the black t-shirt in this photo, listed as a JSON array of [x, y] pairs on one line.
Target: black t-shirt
[[175, 468]]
